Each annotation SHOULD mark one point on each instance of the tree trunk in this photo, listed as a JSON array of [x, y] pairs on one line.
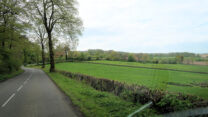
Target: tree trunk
[[4, 30], [10, 45], [66, 55], [37, 60], [43, 54], [52, 67], [3, 43], [3, 40], [25, 57]]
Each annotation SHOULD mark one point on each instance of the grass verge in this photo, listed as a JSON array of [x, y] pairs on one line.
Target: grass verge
[[95, 103], [4, 77]]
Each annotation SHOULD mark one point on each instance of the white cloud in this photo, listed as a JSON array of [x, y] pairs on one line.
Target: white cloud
[[136, 25]]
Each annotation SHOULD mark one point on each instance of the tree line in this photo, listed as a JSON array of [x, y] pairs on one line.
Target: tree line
[[98, 54]]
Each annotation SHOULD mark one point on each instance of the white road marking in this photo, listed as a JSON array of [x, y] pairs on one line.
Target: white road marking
[[25, 82], [30, 77], [5, 103], [19, 88]]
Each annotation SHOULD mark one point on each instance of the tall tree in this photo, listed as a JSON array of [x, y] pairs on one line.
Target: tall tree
[[12, 28], [59, 15], [11, 23], [179, 59], [66, 50], [41, 38]]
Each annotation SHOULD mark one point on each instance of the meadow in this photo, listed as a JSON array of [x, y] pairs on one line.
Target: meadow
[[194, 68], [94, 103], [171, 81]]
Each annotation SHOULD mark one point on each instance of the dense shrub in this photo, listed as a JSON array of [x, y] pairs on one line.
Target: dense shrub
[[89, 58], [173, 103], [97, 58], [9, 61], [131, 58], [167, 61]]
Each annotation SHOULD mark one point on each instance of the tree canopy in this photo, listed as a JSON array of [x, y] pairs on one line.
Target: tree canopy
[[50, 20], [59, 17]]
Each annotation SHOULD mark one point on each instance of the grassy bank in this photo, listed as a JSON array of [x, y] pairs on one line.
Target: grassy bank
[[7, 76], [194, 68], [172, 81], [95, 103]]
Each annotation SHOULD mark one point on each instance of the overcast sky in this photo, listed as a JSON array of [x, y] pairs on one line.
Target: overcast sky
[[145, 25]]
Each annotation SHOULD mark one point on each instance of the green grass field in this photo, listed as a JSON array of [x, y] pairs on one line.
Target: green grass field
[[95, 103], [152, 78], [195, 68]]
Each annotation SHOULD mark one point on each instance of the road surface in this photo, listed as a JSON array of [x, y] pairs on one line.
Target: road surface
[[33, 94]]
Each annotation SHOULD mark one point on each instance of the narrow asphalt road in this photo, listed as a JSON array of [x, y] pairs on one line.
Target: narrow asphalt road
[[33, 94]]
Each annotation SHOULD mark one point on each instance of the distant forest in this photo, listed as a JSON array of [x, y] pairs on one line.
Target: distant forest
[[98, 54]]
